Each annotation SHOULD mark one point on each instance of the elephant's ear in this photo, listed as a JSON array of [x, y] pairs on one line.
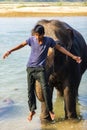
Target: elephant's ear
[[68, 47], [71, 35], [59, 42], [70, 31]]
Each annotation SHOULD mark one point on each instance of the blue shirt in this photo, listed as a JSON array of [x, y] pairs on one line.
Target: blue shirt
[[39, 51]]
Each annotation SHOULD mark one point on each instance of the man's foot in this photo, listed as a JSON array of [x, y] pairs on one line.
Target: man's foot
[[31, 115], [52, 115]]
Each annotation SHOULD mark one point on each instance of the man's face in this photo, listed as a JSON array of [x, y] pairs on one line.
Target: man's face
[[38, 36]]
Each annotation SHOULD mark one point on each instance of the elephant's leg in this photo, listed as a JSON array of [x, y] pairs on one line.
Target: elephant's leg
[[44, 111], [39, 94], [70, 103], [66, 101]]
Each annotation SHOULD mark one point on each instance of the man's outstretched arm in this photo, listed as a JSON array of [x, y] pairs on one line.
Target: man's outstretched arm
[[64, 51], [14, 49]]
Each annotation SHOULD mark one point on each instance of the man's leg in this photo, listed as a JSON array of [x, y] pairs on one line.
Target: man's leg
[[31, 92]]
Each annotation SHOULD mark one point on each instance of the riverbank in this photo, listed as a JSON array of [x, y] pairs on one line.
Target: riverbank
[[41, 9]]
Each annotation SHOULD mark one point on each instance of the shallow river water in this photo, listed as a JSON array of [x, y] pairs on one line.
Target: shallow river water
[[13, 84]]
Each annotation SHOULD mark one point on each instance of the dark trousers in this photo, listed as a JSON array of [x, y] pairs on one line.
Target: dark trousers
[[34, 74]]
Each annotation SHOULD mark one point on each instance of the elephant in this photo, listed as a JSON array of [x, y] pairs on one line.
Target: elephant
[[63, 73]]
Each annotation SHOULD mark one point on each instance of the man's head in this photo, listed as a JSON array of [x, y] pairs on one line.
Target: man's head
[[38, 31]]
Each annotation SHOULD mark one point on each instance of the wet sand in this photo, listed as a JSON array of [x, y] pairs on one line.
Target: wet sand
[[23, 124], [20, 10]]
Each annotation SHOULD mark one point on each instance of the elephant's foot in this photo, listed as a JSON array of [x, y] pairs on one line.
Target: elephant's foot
[[71, 116], [45, 117]]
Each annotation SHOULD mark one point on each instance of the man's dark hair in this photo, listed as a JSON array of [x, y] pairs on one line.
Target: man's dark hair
[[38, 29]]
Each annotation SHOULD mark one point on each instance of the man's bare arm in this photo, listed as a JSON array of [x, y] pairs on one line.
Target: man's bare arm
[[64, 51], [14, 49]]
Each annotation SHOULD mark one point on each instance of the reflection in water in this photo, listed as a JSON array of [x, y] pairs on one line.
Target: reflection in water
[[36, 124], [62, 124]]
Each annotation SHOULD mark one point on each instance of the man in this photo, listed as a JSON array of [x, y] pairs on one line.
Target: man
[[40, 45]]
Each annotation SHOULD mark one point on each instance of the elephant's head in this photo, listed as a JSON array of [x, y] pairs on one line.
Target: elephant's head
[[58, 30], [62, 34]]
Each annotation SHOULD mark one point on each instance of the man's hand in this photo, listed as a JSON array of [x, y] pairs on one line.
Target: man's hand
[[77, 59], [6, 54]]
